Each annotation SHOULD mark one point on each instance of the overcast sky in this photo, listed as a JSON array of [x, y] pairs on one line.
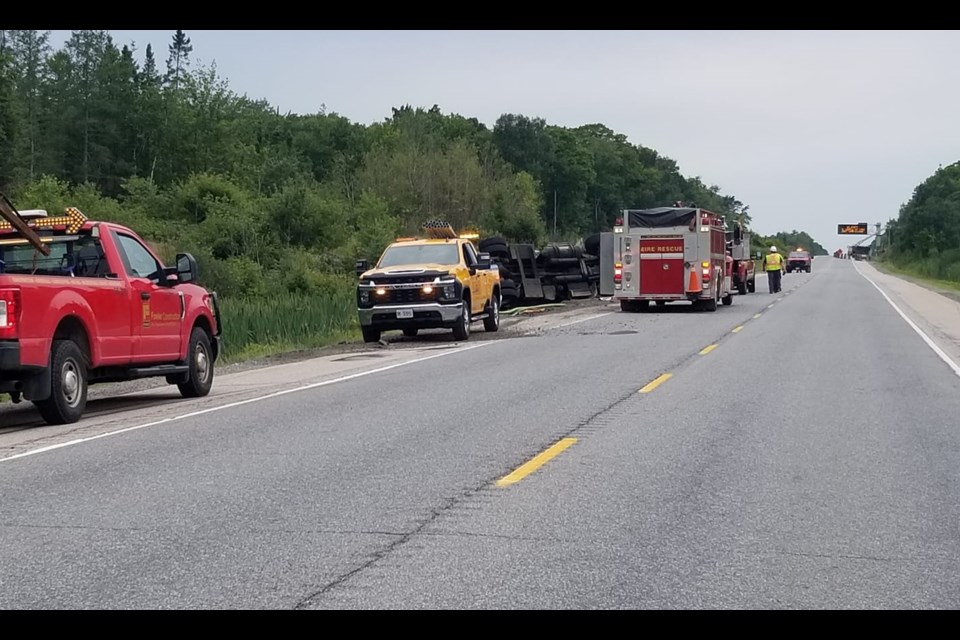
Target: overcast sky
[[809, 128]]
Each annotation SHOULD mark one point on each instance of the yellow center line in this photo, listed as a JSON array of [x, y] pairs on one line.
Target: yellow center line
[[656, 383], [707, 350], [770, 306], [535, 463], [737, 329], [757, 316]]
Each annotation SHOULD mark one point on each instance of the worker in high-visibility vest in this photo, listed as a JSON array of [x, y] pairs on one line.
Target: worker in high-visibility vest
[[773, 265]]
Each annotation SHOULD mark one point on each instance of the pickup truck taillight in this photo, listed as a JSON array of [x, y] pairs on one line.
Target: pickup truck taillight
[[9, 311]]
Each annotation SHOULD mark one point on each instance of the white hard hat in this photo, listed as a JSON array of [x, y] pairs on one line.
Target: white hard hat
[[773, 248]]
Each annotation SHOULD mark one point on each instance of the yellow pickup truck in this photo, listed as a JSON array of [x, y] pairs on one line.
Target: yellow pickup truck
[[440, 281]]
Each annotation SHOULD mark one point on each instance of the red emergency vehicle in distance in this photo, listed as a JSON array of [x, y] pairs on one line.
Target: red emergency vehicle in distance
[[670, 254], [83, 302]]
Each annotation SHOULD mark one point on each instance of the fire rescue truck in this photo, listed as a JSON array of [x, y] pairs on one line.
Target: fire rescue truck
[[744, 269], [670, 254]]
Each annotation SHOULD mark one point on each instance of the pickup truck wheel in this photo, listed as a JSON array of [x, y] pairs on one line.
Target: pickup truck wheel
[[742, 288], [751, 285], [370, 334], [492, 321], [462, 330], [68, 384], [201, 366], [410, 332]]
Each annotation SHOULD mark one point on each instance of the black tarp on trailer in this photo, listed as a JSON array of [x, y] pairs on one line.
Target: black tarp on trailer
[[660, 217]]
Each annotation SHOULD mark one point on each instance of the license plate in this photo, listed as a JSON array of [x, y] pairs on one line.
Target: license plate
[[404, 313]]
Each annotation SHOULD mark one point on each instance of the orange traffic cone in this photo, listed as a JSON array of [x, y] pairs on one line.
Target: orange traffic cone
[[694, 285]]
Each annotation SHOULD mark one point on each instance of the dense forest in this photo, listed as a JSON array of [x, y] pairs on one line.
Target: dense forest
[[278, 204]]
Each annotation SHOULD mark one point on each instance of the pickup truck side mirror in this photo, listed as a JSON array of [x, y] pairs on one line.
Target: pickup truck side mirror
[[483, 261], [186, 270], [362, 265]]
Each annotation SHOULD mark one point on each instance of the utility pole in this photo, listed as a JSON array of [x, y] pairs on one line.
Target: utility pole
[[554, 214]]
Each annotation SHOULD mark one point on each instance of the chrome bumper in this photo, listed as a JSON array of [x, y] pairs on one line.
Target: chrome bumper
[[448, 312]]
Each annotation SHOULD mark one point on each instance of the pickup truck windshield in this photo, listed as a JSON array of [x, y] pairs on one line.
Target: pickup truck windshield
[[69, 256], [420, 254]]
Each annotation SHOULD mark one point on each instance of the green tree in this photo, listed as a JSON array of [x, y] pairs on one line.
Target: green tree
[[178, 59], [30, 50], [8, 116]]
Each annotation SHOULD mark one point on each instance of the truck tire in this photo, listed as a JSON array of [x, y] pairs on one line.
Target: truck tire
[[410, 332], [462, 329], [68, 384], [492, 322], [711, 304], [486, 243], [370, 334], [751, 285], [727, 300], [742, 288], [200, 363]]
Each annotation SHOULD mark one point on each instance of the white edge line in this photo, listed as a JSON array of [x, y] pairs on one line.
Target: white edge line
[[930, 343], [230, 405], [593, 317]]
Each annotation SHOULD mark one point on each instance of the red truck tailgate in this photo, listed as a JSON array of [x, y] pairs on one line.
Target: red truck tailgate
[[661, 266]]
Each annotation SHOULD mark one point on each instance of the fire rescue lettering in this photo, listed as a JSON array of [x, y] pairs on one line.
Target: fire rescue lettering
[[661, 248]]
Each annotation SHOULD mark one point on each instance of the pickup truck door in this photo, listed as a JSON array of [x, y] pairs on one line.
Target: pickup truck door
[[107, 298], [479, 287], [156, 310]]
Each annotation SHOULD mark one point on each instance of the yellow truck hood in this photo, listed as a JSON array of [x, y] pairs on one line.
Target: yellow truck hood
[[446, 268]]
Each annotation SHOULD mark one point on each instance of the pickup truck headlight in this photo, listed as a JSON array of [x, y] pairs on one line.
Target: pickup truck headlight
[[447, 288]]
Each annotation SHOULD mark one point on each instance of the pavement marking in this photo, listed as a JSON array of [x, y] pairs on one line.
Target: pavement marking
[[770, 306], [536, 462], [650, 386], [737, 329], [707, 350], [239, 403], [930, 343], [593, 317], [757, 316]]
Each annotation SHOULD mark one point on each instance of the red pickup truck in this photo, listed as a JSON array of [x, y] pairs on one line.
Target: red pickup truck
[[83, 302]]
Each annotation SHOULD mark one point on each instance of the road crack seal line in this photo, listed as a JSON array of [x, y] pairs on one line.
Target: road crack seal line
[[449, 503]]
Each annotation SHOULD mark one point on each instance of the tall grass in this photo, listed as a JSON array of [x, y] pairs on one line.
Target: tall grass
[[286, 322], [940, 267]]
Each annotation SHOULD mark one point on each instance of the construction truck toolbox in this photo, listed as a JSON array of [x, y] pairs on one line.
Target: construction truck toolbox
[[440, 281], [83, 302], [670, 254]]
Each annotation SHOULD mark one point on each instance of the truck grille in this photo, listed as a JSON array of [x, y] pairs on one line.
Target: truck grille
[[406, 296]]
